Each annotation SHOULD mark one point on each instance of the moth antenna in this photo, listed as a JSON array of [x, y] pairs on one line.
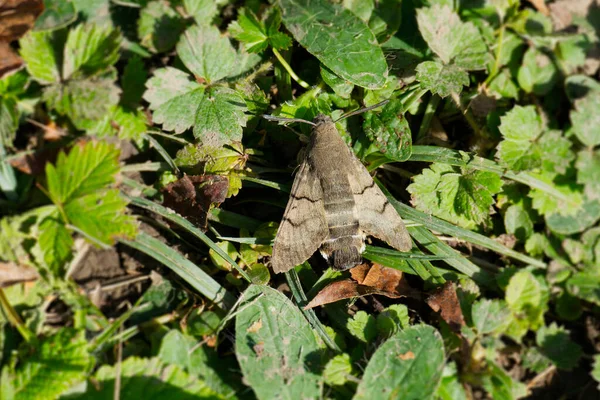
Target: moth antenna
[[283, 119], [362, 110]]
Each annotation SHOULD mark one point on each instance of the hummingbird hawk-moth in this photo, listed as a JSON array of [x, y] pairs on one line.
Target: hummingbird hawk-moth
[[334, 204]]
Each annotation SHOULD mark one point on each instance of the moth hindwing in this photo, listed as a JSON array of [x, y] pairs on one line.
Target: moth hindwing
[[334, 203]]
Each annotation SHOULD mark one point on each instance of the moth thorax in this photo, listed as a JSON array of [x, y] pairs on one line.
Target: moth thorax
[[322, 119]]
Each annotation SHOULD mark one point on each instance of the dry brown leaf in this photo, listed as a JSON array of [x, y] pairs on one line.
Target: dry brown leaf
[[34, 164], [445, 302], [366, 280], [9, 60], [191, 196], [12, 273], [17, 17]]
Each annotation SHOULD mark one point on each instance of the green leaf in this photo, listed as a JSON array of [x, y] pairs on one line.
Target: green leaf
[[340, 86], [146, 378], [392, 319], [585, 217], [490, 317], [57, 14], [338, 38], [504, 85], [462, 197], [9, 121], [585, 119], [588, 168], [390, 131], [440, 79], [363, 326], [101, 216], [275, 346], [538, 73], [84, 171], [450, 386], [206, 53], [56, 243], [85, 101], [121, 122], [527, 299], [408, 365], [133, 82], [596, 369], [337, 370], [203, 11], [159, 26], [518, 222], [41, 59], [520, 128], [500, 385], [255, 36], [201, 361], [89, 50], [454, 41], [571, 202], [56, 364], [586, 286], [557, 346], [217, 114]]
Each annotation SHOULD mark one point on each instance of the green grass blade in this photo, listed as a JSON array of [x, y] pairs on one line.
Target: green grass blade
[[187, 225], [186, 269], [300, 296], [438, 225], [163, 153], [233, 220]]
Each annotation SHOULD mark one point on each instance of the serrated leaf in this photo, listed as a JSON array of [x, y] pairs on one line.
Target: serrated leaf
[[213, 368], [84, 171], [454, 41], [101, 216], [38, 52], [258, 35], [203, 11], [408, 365], [206, 53], [276, 347], [217, 113], [56, 243], [538, 73], [121, 122], [503, 84], [89, 50], [520, 128], [146, 378], [462, 197], [389, 131], [527, 299], [133, 82], [500, 385], [392, 319], [570, 203], [490, 316], [197, 158], [585, 217], [440, 79], [58, 362], [57, 14], [159, 26], [556, 152], [337, 370], [338, 38], [555, 344], [586, 119], [363, 326], [584, 285], [85, 101]]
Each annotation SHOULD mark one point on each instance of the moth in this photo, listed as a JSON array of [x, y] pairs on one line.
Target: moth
[[334, 204]]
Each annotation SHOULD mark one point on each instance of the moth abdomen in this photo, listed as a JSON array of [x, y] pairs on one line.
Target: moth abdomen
[[343, 252]]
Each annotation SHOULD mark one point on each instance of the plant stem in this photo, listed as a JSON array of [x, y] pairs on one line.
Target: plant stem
[[290, 70], [14, 318]]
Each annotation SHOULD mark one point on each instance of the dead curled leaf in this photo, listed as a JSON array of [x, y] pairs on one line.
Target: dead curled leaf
[[12, 273], [366, 279], [445, 302], [192, 196]]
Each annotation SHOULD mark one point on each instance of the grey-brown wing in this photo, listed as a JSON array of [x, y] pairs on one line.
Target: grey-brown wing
[[376, 216], [303, 227]]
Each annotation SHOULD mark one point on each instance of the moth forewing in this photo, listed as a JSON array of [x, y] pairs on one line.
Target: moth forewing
[[334, 202]]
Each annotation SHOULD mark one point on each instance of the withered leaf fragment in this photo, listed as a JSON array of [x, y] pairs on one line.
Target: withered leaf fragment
[[192, 196], [445, 301], [334, 203]]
